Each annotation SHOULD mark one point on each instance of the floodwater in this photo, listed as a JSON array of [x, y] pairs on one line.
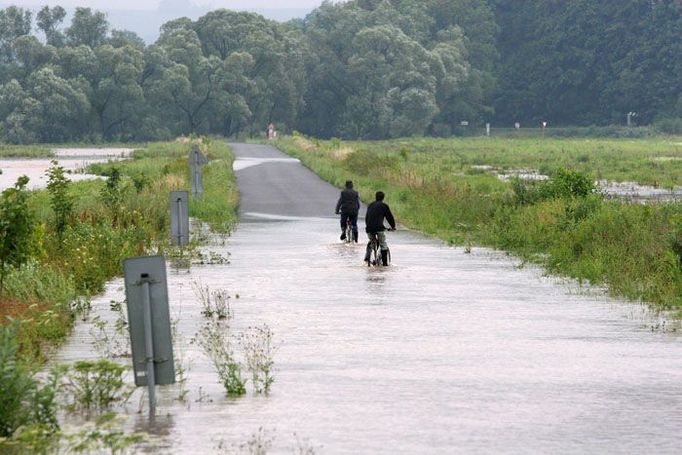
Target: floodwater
[[442, 352], [629, 191], [73, 160]]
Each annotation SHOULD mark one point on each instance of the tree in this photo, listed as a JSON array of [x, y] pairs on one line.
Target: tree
[[395, 85], [32, 55], [116, 95], [188, 85], [56, 109], [87, 28], [48, 21], [14, 22], [16, 227]]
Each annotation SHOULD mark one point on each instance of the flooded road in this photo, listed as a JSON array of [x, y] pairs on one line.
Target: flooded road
[[443, 352]]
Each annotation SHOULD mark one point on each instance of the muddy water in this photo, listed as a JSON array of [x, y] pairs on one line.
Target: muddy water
[[443, 352], [74, 161]]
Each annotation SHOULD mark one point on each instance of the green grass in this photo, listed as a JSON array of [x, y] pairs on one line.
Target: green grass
[[25, 151], [431, 186], [655, 162]]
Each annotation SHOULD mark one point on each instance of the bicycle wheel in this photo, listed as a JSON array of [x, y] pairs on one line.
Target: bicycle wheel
[[375, 256], [349, 232]]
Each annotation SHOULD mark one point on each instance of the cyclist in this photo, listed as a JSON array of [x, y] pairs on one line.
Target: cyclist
[[374, 220], [349, 206]]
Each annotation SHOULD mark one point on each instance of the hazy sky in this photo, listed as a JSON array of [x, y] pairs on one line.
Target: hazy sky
[[153, 4]]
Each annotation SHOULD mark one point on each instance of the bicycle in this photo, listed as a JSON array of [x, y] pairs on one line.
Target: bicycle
[[349, 232], [375, 251]]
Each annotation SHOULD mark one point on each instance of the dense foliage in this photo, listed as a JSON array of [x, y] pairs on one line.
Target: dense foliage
[[357, 69]]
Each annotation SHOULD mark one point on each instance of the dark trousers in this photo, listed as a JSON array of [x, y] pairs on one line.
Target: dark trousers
[[351, 218]]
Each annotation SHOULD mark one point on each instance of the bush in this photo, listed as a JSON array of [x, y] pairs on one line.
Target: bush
[[22, 400], [16, 228], [669, 125], [564, 184]]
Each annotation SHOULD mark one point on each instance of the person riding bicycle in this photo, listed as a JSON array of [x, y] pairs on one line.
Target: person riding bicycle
[[374, 221], [349, 206]]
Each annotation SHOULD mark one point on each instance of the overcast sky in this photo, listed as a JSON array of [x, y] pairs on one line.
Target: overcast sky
[[153, 4]]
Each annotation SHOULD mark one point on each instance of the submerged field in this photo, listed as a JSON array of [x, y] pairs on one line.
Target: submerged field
[[444, 187]]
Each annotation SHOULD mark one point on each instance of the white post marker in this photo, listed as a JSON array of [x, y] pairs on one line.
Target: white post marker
[[179, 208]]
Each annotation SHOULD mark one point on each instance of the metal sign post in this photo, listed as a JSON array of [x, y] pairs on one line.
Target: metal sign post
[[149, 323], [179, 206], [196, 160]]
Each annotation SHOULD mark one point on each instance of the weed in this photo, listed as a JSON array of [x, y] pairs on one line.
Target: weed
[[214, 338], [23, 401], [259, 350], [181, 363], [103, 434], [303, 446], [215, 304], [96, 386], [259, 443]]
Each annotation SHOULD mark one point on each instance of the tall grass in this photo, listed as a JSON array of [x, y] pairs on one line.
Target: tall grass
[[430, 184]]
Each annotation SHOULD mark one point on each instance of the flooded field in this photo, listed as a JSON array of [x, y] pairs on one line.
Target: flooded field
[[443, 352], [73, 160]]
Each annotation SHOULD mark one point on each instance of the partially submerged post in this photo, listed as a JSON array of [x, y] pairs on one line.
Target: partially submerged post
[[196, 160], [149, 323], [179, 207]]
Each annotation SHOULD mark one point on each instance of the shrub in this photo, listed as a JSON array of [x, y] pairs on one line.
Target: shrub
[[22, 400], [96, 385], [669, 125], [16, 228], [60, 200]]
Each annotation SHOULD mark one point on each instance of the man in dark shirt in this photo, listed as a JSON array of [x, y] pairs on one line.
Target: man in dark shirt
[[349, 206], [374, 221]]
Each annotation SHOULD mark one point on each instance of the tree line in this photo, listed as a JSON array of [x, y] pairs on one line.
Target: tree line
[[361, 69]]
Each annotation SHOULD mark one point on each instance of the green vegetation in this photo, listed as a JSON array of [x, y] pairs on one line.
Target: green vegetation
[[216, 338], [24, 151], [434, 186], [356, 69], [68, 240], [60, 246]]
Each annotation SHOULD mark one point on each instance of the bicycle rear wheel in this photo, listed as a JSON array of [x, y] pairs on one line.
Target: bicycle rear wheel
[[375, 252]]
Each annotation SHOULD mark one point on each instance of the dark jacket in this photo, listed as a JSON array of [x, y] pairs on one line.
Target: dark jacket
[[374, 219], [349, 202]]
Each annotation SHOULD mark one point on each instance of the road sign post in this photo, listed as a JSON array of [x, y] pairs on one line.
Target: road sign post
[[149, 323], [196, 160], [179, 207]]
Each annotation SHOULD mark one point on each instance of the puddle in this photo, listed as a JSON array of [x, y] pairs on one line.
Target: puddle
[[638, 193], [243, 163], [630, 191]]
